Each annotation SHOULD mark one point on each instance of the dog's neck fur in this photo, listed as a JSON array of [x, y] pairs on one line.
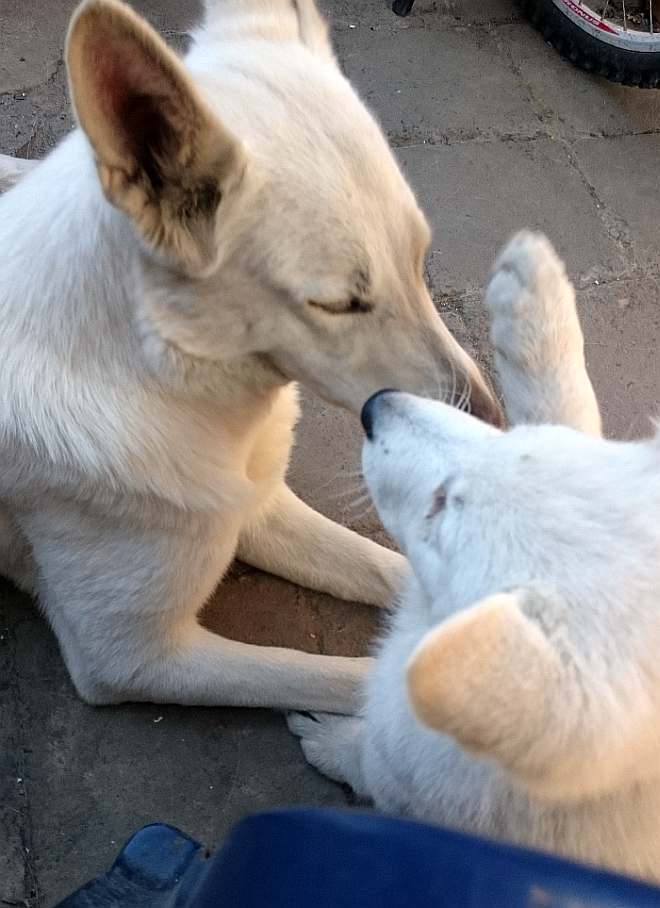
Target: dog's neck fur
[[83, 308]]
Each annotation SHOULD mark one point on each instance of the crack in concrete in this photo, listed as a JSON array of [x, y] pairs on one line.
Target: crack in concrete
[[33, 89], [423, 22], [458, 300], [616, 226], [415, 138], [38, 117], [420, 139]]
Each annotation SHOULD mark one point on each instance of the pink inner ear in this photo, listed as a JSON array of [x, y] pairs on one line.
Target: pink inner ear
[[122, 69], [112, 69], [132, 93]]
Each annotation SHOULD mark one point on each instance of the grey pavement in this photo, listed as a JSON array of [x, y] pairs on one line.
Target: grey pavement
[[495, 132]]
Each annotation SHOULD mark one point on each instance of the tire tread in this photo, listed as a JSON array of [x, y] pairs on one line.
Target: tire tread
[[641, 70]]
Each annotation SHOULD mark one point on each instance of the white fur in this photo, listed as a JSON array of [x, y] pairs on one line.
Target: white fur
[[517, 692], [12, 170], [166, 274]]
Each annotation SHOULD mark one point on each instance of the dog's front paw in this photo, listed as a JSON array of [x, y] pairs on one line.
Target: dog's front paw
[[330, 743], [396, 572], [534, 324]]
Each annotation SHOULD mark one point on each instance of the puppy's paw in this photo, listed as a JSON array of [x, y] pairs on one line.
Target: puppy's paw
[[329, 742], [534, 325]]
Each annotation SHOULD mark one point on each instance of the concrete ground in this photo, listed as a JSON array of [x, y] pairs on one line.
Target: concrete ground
[[495, 132]]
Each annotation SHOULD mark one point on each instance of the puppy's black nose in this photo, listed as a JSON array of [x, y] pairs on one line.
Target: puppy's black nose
[[368, 413]]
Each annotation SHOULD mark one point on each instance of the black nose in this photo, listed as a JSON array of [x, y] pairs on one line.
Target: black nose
[[368, 413]]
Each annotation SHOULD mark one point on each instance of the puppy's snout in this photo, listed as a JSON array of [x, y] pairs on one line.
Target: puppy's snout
[[369, 413]]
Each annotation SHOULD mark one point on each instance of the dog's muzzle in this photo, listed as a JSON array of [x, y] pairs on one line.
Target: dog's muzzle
[[480, 404]]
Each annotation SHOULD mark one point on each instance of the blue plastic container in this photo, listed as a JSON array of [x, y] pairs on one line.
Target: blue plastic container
[[336, 859]]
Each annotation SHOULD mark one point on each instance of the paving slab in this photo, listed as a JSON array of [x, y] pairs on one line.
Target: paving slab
[[621, 324], [418, 81], [623, 172], [16, 879], [377, 14], [94, 775], [35, 119], [32, 41], [570, 102], [477, 194], [33, 35]]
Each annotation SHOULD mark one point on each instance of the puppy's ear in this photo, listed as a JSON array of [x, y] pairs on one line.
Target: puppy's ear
[[483, 676], [163, 158], [504, 687]]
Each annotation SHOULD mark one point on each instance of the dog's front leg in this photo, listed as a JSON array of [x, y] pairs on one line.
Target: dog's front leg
[[123, 599], [194, 667], [539, 348], [290, 539], [202, 668]]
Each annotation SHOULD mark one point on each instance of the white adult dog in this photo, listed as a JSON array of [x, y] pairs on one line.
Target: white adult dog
[[517, 692], [214, 231]]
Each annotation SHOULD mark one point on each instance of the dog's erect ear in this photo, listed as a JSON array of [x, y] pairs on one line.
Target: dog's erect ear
[[312, 26], [163, 157], [313, 29]]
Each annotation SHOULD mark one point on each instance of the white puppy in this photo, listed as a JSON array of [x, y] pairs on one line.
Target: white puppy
[[216, 230], [517, 692]]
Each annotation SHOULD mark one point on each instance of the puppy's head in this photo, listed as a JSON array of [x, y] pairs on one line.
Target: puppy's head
[[536, 551], [272, 218]]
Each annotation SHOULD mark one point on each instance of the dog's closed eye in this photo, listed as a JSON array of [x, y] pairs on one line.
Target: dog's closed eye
[[439, 501], [353, 306]]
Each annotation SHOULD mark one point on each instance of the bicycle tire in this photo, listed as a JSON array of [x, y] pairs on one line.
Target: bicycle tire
[[580, 47]]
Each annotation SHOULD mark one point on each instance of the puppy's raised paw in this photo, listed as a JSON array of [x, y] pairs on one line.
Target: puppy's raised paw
[[532, 306]]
